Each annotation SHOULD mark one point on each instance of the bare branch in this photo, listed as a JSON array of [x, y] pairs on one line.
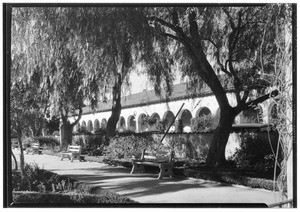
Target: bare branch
[[229, 17], [174, 37], [245, 106], [176, 29], [164, 23], [78, 118]]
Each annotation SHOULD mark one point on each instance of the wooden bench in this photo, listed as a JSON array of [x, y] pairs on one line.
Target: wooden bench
[[163, 160], [34, 149], [73, 152]]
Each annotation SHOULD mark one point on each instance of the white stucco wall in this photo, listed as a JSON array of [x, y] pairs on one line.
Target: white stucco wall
[[193, 105]]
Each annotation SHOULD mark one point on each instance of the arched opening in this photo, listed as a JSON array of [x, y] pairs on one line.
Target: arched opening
[[153, 125], [169, 117], [131, 123], [142, 125], [184, 121], [203, 121], [90, 126], [204, 111], [252, 115], [121, 124], [186, 117], [96, 125], [155, 116], [83, 126], [103, 124]]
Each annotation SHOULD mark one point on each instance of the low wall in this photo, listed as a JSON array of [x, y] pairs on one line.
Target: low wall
[[196, 145], [193, 145]]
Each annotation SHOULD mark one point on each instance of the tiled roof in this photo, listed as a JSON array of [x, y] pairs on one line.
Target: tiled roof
[[180, 91]]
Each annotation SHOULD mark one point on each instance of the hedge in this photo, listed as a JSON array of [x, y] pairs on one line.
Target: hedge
[[68, 198]]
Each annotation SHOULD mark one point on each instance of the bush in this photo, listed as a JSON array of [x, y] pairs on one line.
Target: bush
[[255, 155], [68, 198], [131, 145], [48, 141], [92, 145], [41, 186], [27, 141], [202, 124], [36, 179]]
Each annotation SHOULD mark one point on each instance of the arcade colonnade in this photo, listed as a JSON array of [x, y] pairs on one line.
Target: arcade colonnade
[[131, 116]]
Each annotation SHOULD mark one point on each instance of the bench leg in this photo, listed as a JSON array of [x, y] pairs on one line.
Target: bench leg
[[63, 156], [137, 167], [165, 170]]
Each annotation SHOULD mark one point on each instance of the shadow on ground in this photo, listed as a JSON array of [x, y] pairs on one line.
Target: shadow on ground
[[120, 180]]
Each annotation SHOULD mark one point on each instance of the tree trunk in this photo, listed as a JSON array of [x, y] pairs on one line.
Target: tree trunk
[[116, 109], [22, 163], [66, 135], [216, 154], [15, 160]]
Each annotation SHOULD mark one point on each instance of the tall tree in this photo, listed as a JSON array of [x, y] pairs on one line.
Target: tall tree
[[118, 38], [226, 40], [82, 53], [42, 51]]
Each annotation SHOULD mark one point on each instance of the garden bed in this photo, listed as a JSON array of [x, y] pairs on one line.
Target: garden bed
[[43, 187], [60, 199]]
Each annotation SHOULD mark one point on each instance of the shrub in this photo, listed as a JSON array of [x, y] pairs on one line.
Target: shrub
[[36, 179], [162, 125], [255, 155], [92, 145], [202, 124], [41, 186], [27, 141], [68, 198], [48, 141], [131, 145]]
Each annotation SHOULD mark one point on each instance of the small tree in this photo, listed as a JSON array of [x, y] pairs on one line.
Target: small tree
[[23, 112]]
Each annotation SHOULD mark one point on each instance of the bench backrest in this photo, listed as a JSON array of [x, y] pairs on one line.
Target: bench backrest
[[74, 149], [159, 156], [35, 145]]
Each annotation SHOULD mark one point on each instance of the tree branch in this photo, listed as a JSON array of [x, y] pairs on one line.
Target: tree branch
[[78, 118], [164, 23], [174, 37], [176, 29], [229, 17], [257, 101]]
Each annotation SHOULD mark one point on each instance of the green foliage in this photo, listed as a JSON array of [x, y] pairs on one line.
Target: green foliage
[[92, 145], [147, 120], [132, 145], [48, 141], [36, 179], [162, 125], [255, 154], [52, 125], [69, 198], [41, 186], [202, 124]]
